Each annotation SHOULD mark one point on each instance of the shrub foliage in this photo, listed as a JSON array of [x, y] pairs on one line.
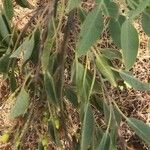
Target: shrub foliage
[[38, 55]]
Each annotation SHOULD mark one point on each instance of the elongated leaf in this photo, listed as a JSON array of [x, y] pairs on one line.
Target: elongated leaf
[[87, 128], [4, 32], [4, 62], [111, 54], [129, 44], [146, 21], [21, 105], [90, 31], [133, 82], [50, 88], [140, 8], [105, 69], [105, 142], [25, 50], [8, 8], [72, 96], [132, 4], [72, 4], [24, 3], [110, 9], [140, 128], [115, 29]]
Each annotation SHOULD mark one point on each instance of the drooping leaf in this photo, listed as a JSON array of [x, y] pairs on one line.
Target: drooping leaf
[[36, 48], [111, 54], [25, 49], [4, 32], [132, 4], [133, 82], [87, 128], [140, 128], [90, 31], [105, 142], [72, 4], [146, 21], [140, 8], [129, 44], [104, 67], [115, 29], [8, 8], [24, 4], [21, 104], [50, 88], [4, 63], [71, 96], [110, 9]]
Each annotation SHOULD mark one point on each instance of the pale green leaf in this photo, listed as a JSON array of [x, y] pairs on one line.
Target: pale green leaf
[[21, 104], [87, 128], [140, 8], [25, 49], [133, 82], [90, 31], [72, 4], [104, 67], [8, 8], [129, 44], [105, 142], [111, 54], [115, 29], [4, 32], [110, 9], [50, 88], [140, 128], [146, 21]]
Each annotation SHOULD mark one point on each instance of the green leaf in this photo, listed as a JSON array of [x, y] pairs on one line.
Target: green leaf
[[4, 63], [115, 29], [110, 9], [133, 82], [72, 4], [140, 128], [24, 4], [146, 21], [21, 105], [90, 31], [140, 8], [132, 4], [25, 49], [129, 44], [105, 142], [4, 32], [50, 88], [8, 8], [111, 54], [87, 128], [104, 67], [71, 96]]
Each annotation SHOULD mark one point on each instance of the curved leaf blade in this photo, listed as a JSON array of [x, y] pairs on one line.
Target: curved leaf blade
[[90, 31], [8, 8], [105, 69], [115, 29], [87, 128], [105, 142], [146, 21], [22, 102], [133, 82], [140, 128], [129, 44]]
